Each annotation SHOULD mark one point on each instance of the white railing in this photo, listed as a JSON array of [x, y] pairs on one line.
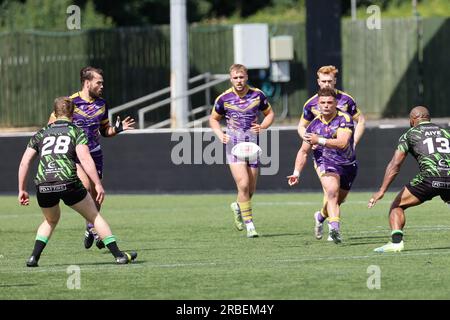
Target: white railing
[[210, 81]]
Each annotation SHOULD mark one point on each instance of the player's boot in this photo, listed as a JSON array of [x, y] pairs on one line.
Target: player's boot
[[335, 236], [251, 233], [88, 238], [127, 257], [32, 262], [318, 226], [238, 223], [390, 247]]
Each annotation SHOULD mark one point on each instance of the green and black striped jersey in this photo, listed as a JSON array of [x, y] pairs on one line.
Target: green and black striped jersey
[[429, 144], [56, 145]]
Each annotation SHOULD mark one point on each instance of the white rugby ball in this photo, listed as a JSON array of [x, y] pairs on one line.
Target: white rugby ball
[[246, 151]]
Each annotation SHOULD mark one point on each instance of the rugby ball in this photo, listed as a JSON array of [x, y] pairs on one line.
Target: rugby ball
[[246, 151]]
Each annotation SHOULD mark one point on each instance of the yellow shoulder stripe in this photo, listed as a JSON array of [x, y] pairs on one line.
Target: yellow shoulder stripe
[[345, 115], [307, 101]]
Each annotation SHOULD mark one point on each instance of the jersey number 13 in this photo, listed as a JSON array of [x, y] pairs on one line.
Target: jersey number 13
[[442, 145]]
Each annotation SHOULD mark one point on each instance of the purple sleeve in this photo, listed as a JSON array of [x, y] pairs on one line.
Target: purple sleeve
[[264, 102], [218, 106], [352, 108], [309, 128], [346, 123], [105, 115], [307, 113]]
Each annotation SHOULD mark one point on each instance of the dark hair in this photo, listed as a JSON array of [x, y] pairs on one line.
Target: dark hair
[[327, 92], [87, 73], [63, 107]]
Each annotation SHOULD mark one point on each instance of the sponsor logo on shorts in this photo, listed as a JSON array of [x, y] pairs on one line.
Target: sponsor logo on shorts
[[55, 188], [440, 184], [443, 165]]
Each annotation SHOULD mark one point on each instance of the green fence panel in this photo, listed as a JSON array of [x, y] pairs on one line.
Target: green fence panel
[[387, 71], [436, 65], [379, 68]]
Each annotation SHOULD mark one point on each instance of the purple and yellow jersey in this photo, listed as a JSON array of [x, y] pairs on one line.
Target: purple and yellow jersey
[[345, 103], [329, 130], [241, 112], [92, 117]]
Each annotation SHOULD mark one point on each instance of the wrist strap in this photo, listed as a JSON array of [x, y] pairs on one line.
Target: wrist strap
[[118, 126]]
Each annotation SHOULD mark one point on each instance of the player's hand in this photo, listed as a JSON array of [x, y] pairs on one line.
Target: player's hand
[[24, 198], [126, 124], [256, 128], [224, 138], [100, 193], [311, 138], [375, 197], [292, 180]]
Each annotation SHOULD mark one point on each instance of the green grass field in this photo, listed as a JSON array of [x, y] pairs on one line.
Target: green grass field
[[188, 249]]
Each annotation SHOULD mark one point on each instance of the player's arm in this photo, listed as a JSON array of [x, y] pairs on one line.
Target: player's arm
[[107, 130], [214, 123], [88, 165], [27, 158], [360, 126], [392, 170], [269, 116], [302, 125], [341, 141], [300, 161]]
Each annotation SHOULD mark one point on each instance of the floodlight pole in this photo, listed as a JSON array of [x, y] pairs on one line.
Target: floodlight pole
[[353, 10], [178, 64]]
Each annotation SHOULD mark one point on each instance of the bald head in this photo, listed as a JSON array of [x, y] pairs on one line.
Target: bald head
[[419, 114]]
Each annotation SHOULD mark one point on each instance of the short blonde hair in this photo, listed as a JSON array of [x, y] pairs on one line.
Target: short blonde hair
[[328, 70], [238, 67], [63, 107]]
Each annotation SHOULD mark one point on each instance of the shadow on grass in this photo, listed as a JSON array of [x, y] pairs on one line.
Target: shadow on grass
[[108, 263], [377, 243], [426, 249], [269, 235], [18, 285], [372, 237]]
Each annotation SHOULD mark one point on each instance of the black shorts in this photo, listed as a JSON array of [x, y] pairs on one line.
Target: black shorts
[[49, 195], [430, 187]]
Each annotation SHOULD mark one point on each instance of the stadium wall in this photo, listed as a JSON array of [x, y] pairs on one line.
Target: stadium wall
[[144, 163]]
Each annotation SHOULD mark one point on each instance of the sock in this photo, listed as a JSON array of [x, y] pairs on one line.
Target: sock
[[397, 236], [246, 213], [335, 223], [110, 242], [321, 217], [39, 245]]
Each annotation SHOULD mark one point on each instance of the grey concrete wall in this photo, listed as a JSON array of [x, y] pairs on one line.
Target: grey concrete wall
[[144, 163]]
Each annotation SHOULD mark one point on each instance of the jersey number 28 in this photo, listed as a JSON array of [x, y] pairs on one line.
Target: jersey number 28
[[55, 145]]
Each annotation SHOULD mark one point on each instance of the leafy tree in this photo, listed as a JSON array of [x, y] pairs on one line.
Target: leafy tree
[[47, 15]]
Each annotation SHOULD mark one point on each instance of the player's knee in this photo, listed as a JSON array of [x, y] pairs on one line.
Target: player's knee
[[243, 185], [332, 195], [53, 221]]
